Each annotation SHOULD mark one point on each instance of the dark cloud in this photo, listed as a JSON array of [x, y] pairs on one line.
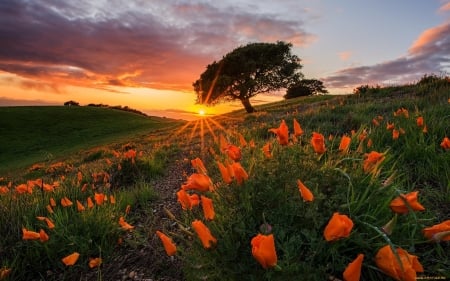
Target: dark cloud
[[430, 54], [156, 44]]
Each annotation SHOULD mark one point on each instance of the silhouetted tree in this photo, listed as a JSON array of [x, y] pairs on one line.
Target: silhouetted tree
[[305, 87], [71, 103], [247, 71]]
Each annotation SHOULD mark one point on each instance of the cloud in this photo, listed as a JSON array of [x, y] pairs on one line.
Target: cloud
[[345, 55], [429, 54], [444, 8], [4, 101], [154, 44]]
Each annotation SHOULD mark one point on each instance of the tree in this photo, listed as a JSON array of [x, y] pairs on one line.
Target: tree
[[305, 87], [71, 103], [247, 71]]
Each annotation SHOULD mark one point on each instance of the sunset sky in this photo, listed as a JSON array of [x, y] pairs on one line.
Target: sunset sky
[[147, 53]]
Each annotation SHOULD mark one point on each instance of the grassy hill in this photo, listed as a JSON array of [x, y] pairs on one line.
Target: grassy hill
[[392, 181], [44, 133]]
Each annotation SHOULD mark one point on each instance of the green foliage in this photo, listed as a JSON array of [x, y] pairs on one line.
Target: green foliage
[[305, 87], [247, 71], [414, 162]]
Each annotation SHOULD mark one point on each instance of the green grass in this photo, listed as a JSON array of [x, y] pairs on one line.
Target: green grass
[[38, 134]]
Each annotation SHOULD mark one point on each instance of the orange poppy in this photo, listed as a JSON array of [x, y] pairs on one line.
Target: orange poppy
[[402, 111], [183, 198], [112, 199], [318, 143], [24, 188], [401, 203], [29, 235], [208, 208], [375, 122], [197, 163], [169, 246], [65, 202], [43, 236], [95, 262], [204, 234], [4, 272], [419, 121], [305, 192], [298, 131], [282, 133], [345, 144], [387, 261], [267, 150], [124, 224], [198, 182], [127, 209], [90, 204], [4, 189], [71, 259], [242, 140], [99, 198], [395, 134], [263, 250], [372, 161], [438, 232], [80, 206], [239, 173], [233, 152], [225, 173], [338, 227], [353, 270], [445, 144], [48, 187], [49, 223], [49, 209], [390, 126]]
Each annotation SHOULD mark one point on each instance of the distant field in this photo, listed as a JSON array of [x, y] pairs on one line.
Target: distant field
[[33, 134]]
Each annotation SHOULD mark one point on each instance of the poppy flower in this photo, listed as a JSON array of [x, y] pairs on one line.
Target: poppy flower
[[372, 161], [318, 143], [112, 199], [127, 209], [48, 187], [402, 111], [239, 173], [338, 227], [387, 261], [208, 208], [23, 188], [395, 134], [345, 143], [233, 152], [99, 198], [400, 204], [267, 150], [198, 182], [124, 224], [305, 192], [43, 236], [242, 140], [71, 259], [226, 177], [375, 122], [4, 272], [30, 235], [197, 163], [263, 250], [390, 126], [204, 234], [80, 206], [90, 204], [52, 202], [419, 121], [438, 232], [49, 209], [65, 202], [282, 133], [445, 144], [298, 131], [183, 198], [353, 270], [95, 262], [4, 189], [169, 246]]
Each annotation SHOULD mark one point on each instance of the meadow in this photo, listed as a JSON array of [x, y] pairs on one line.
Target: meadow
[[350, 187]]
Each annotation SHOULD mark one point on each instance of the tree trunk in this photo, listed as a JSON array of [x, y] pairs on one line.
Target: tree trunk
[[248, 107]]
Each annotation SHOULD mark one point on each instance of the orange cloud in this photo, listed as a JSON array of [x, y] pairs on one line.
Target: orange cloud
[[345, 55], [444, 8], [431, 35]]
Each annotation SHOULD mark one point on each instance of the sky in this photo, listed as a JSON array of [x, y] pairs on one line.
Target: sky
[[146, 54]]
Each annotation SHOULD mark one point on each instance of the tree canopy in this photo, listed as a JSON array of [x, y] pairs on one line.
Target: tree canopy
[[247, 71], [305, 87]]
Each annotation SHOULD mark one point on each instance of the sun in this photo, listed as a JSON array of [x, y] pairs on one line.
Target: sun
[[201, 112]]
